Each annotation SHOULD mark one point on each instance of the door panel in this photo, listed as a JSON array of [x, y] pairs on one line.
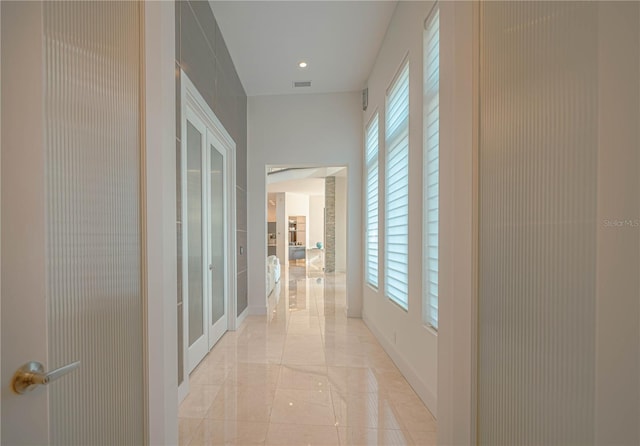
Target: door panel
[[93, 211], [194, 222], [217, 246], [78, 236], [195, 239]]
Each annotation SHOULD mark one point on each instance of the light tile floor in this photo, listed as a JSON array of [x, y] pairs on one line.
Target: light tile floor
[[305, 374]]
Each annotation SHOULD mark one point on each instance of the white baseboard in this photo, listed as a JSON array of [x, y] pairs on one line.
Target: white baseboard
[[240, 319], [255, 310], [410, 374]]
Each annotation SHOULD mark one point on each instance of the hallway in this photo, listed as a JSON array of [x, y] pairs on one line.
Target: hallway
[[303, 374]]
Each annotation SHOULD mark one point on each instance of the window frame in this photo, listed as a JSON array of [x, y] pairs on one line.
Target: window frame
[[397, 139], [372, 165]]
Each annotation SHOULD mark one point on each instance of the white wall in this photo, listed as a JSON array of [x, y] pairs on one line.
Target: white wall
[[315, 225], [313, 130], [341, 224], [413, 347]]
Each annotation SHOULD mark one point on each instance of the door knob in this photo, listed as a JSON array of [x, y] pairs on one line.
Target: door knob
[[210, 267], [32, 374]]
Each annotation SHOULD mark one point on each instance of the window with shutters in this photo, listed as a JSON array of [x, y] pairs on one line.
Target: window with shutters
[[397, 190], [431, 167], [371, 203]]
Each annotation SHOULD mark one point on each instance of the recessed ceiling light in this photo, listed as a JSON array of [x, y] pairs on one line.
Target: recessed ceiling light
[[302, 64]]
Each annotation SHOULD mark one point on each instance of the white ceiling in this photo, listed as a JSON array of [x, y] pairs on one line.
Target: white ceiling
[[306, 181], [338, 39], [308, 186]]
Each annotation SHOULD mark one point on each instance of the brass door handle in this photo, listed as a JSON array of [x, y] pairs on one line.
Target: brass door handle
[[32, 374]]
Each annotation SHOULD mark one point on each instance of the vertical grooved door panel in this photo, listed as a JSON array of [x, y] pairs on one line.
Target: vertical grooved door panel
[[94, 297], [537, 216]]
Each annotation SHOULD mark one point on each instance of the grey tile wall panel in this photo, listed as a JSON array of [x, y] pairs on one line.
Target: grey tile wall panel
[[242, 243], [180, 346], [179, 263], [241, 167], [241, 152], [202, 53], [178, 104], [207, 21], [178, 182], [198, 61], [241, 209], [225, 106], [178, 31], [242, 292], [222, 53]]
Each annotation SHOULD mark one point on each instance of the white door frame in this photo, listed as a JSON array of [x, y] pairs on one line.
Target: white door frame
[[193, 101], [23, 274], [161, 241], [457, 333]]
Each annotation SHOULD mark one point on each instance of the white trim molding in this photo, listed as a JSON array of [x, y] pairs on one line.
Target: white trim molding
[[458, 237], [161, 255]]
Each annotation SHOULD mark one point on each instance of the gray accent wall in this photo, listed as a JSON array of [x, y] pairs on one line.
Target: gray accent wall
[[202, 54]]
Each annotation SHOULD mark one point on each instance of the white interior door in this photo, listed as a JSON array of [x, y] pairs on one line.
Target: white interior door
[[217, 245], [206, 235], [196, 232], [208, 202], [72, 286]]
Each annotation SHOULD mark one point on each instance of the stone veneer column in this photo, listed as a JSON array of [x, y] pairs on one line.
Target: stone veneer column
[[330, 224]]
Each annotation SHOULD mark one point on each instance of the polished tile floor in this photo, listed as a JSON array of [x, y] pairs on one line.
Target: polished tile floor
[[305, 374]]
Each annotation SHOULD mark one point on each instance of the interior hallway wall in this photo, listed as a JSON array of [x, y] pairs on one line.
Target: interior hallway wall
[[202, 53], [306, 129], [413, 346]]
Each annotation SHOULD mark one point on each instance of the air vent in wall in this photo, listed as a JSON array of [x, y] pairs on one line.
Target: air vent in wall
[[298, 84]]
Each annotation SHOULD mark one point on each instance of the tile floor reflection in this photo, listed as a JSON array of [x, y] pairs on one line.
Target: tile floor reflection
[[304, 374]]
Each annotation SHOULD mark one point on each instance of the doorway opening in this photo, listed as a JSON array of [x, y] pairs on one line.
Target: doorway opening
[[306, 227]]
